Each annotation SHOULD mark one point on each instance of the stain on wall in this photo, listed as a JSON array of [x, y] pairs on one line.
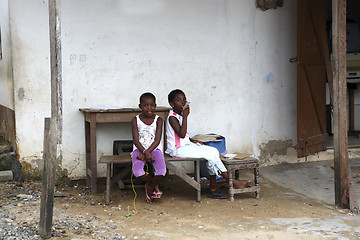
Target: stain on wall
[[31, 172], [21, 94], [274, 148]]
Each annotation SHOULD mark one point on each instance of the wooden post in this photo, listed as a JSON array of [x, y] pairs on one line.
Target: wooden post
[[48, 182], [344, 195], [56, 68], [53, 126]]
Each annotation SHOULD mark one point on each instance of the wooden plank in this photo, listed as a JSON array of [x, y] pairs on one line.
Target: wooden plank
[[48, 183], [123, 117], [53, 127], [56, 67], [115, 117], [344, 195], [121, 110], [121, 158], [171, 159]]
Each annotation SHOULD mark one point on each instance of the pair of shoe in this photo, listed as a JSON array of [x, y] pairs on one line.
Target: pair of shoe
[[149, 199], [156, 194]]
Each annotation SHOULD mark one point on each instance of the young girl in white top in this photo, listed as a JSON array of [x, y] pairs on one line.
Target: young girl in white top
[[179, 144], [146, 132]]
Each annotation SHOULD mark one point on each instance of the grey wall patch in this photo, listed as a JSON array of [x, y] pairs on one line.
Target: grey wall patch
[[21, 93], [275, 147]]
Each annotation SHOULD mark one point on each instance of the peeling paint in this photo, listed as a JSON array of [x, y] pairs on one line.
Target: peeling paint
[[274, 147], [29, 172]]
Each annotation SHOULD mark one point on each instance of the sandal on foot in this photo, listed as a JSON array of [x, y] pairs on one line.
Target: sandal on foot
[[156, 194], [149, 199]]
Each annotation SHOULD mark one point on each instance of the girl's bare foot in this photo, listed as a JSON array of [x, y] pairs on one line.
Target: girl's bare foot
[[241, 183]]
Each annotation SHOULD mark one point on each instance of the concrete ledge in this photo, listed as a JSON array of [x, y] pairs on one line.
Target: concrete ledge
[[6, 176]]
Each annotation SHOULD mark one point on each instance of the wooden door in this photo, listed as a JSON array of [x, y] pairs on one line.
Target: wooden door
[[312, 63]]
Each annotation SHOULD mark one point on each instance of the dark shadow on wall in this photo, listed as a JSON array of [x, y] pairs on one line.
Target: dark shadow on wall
[[7, 126]]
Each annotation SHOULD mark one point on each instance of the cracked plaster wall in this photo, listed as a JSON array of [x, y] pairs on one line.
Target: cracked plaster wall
[[230, 58], [6, 81]]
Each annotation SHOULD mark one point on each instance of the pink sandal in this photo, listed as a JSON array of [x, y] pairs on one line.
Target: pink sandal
[[157, 194], [148, 199]]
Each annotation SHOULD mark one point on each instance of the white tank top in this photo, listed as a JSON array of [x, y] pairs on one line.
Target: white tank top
[[173, 140], [146, 132]]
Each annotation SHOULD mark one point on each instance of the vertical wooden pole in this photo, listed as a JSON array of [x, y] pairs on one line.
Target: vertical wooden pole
[[53, 126], [345, 196], [48, 183], [340, 119], [56, 68]]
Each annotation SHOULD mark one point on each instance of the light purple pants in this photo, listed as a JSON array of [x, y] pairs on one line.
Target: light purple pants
[[159, 163]]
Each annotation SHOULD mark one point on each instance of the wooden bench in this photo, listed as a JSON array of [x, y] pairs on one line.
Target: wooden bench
[[179, 171]]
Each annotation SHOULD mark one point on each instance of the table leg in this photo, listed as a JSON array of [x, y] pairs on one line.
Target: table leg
[[93, 162], [87, 153], [108, 182], [197, 178], [231, 186]]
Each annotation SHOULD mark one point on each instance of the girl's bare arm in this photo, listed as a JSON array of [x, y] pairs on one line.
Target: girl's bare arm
[[179, 130], [158, 133], [135, 135]]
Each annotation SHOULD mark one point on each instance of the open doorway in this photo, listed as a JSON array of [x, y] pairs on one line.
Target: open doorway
[[353, 74]]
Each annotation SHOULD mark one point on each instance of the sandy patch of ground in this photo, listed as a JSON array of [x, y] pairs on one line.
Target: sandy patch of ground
[[279, 214]]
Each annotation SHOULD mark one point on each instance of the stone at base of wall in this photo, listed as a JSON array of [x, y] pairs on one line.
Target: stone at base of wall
[[6, 176]]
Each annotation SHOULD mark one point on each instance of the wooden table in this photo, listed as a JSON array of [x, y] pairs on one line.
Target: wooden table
[[240, 164], [92, 116]]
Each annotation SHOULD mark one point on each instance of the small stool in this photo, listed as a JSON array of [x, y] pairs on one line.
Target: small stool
[[236, 165]]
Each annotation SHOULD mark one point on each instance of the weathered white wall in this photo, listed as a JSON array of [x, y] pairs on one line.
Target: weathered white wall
[[231, 59], [31, 72], [6, 84]]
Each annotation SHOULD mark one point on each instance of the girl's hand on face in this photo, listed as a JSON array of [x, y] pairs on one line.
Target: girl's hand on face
[[186, 111]]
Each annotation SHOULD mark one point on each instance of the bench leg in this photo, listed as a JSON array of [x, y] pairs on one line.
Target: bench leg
[[119, 176], [108, 182], [256, 180], [197, 178]]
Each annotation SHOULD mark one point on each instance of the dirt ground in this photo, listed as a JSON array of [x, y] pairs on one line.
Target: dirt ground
[[279, 213]]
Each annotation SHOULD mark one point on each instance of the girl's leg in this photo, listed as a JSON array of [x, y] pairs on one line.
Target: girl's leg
[[159, 163], [159, 170], [137, 165], [214, 164], [138, 171]]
